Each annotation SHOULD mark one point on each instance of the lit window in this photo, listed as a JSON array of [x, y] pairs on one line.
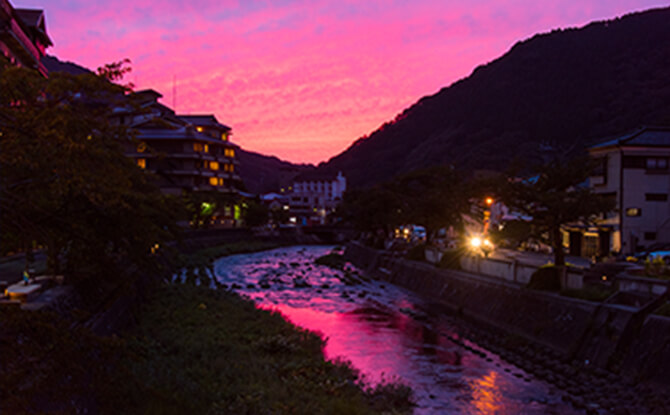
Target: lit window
[[214, 181], [142, 163], [232, 168], [197, 147], [199, 129], [633, 212], [224, 137], [206, 148], [214, 165]]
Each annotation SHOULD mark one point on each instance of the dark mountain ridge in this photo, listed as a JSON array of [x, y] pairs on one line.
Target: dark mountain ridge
[[566, 89]]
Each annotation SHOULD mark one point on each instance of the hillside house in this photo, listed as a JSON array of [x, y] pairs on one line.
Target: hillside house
[[634, 170]]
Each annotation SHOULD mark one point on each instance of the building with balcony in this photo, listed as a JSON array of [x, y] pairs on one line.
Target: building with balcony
[[23, 36], [634, 170], [314, 196], [184, 153]]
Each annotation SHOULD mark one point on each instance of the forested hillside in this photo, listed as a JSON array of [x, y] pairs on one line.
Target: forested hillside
[[566, 89]]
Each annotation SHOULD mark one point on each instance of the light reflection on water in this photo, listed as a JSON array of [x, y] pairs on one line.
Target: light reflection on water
[[387, 334]]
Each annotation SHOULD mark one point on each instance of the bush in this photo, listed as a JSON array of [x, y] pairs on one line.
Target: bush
[[332, 260], [450, 259], [663, 310], [591, 293], [416, 253], [546, 278]]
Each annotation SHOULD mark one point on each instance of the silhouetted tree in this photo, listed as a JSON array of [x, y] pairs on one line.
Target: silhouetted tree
[[556, 195], [64, 180]]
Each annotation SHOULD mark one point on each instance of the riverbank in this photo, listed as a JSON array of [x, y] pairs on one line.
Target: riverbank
[[192, 350], [599, 354]]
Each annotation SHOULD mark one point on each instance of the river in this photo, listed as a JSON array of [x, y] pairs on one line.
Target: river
[[388, 333]]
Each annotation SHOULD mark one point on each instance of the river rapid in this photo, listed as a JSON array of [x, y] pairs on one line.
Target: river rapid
[[388, 334]]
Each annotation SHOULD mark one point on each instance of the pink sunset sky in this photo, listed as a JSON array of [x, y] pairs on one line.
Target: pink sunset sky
[[300, 79]]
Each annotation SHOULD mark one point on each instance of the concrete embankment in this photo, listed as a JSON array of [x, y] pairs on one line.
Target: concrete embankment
[[610, 336]]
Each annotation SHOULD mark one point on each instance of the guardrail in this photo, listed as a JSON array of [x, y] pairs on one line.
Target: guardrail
[[506, 269], [646, 285]]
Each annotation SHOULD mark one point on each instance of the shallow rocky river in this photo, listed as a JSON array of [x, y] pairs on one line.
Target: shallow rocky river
[[388, 333]]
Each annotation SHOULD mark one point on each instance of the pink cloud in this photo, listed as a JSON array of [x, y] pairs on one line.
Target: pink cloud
[[298, 79]]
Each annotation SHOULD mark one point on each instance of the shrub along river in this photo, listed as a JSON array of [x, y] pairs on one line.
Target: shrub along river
[[388, 334]]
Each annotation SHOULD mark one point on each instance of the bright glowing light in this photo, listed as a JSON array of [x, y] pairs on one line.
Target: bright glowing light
[[476, 242], [487, 243], [489, 201]]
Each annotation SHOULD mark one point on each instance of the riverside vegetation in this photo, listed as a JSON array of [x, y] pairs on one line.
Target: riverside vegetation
[[193, 350]]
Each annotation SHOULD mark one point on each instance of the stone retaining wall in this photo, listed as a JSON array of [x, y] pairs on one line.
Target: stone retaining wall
[[577, 329], [513, 270]]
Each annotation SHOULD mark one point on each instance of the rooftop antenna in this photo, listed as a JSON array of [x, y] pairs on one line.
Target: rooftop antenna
[[174, 92]]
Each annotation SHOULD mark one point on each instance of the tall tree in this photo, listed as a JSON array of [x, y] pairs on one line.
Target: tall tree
[[556, 194], [435, 197], [64, 180]]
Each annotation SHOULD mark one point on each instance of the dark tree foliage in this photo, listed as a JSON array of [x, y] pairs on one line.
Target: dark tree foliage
[[64, 181], [434, 197], [554, 196], [255, 213], [567, 88]]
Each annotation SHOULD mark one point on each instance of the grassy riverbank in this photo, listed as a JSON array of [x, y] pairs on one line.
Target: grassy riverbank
[[213, 351], [193, 350]]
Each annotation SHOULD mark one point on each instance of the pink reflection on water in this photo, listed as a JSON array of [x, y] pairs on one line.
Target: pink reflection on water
[[372, 350]]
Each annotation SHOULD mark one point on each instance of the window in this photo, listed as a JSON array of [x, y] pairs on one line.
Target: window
[[229, 152], [216, 181], [633, 212], [224, 136], [198, 147], [634, 162], [650, 236], [656, 197], [600, 168], [214, 165], [206, 148], [657, 163], [142, 163]]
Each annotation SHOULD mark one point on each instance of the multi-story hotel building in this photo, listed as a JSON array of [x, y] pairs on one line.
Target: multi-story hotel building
[[186, 153], [23, 36], [315, 195]]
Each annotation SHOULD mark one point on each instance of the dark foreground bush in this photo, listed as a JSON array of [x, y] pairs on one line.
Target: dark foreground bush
[[546, 278]]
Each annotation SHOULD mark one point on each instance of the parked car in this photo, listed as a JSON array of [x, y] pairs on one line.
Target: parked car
[[411, 233], [653, 251]]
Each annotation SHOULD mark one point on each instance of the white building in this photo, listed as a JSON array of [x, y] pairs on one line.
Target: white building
[[314, 196], [634, 170]]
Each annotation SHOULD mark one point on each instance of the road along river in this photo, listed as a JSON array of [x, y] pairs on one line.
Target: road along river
[[388, 333]]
